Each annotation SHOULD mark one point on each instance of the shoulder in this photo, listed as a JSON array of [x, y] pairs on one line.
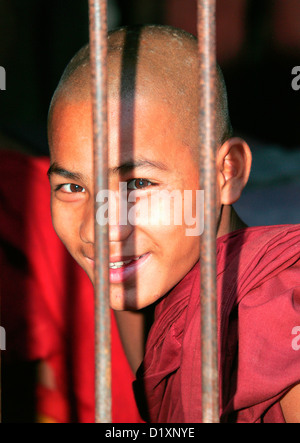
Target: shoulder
[[260, 267], [259, 247], [256, 233]]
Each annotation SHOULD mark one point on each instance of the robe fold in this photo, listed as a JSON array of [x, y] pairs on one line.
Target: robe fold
[[47, 301], [258, 284]]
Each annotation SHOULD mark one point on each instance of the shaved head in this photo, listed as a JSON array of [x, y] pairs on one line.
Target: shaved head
[[159, 62]]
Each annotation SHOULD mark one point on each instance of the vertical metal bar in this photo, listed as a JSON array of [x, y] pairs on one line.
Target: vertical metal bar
[[207, 123], [98, 57]]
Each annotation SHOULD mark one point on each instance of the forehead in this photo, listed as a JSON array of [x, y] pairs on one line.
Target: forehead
[[70, 134], [144, 127]]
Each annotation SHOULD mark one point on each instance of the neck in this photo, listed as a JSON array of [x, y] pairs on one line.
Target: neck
[[230, 221]]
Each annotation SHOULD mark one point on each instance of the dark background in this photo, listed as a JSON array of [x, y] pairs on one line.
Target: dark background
[[258, 44]]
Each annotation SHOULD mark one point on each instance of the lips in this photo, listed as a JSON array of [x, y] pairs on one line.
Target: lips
[[122, 270]]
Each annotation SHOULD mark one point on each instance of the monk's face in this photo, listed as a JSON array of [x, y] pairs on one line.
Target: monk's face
[[152, 251]]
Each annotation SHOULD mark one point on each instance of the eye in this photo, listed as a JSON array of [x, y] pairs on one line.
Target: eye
[[70, 188], [138, 183]]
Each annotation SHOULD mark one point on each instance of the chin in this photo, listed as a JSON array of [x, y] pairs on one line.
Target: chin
[[120, 304], [125, 302]]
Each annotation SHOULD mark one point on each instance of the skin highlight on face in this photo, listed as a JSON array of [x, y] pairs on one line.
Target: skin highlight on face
[[152, 133]]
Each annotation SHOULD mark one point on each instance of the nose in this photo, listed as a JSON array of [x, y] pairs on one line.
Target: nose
[[87, 233], [113, 211], [119, 227], [118, 233]]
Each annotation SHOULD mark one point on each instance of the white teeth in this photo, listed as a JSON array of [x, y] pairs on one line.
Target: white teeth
[[120, 264], [117, 265]]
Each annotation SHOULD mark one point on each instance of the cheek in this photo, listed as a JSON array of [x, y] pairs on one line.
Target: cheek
[[184, 249], [64, 224], [173, 247], [168, 209], [172, 260]]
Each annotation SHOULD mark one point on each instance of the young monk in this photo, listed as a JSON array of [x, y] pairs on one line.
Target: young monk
[[153, 146]]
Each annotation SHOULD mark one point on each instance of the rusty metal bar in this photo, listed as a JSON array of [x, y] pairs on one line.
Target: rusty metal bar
[[207, 123], [98, 57]]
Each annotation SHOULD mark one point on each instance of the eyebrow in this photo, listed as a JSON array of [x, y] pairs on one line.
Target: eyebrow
[[58, 170], [124, 168], [139, 163]]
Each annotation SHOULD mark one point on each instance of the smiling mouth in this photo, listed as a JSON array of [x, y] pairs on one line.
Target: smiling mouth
[[122, 264], [121, 271]]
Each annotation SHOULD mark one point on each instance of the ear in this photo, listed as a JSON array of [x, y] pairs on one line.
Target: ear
[[234, 161]]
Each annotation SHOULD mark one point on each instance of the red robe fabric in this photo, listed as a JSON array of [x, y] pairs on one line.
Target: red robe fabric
[[47, 300], [258, 280]]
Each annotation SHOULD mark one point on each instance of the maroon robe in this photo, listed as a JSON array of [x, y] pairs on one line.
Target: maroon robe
[[258, 280]]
